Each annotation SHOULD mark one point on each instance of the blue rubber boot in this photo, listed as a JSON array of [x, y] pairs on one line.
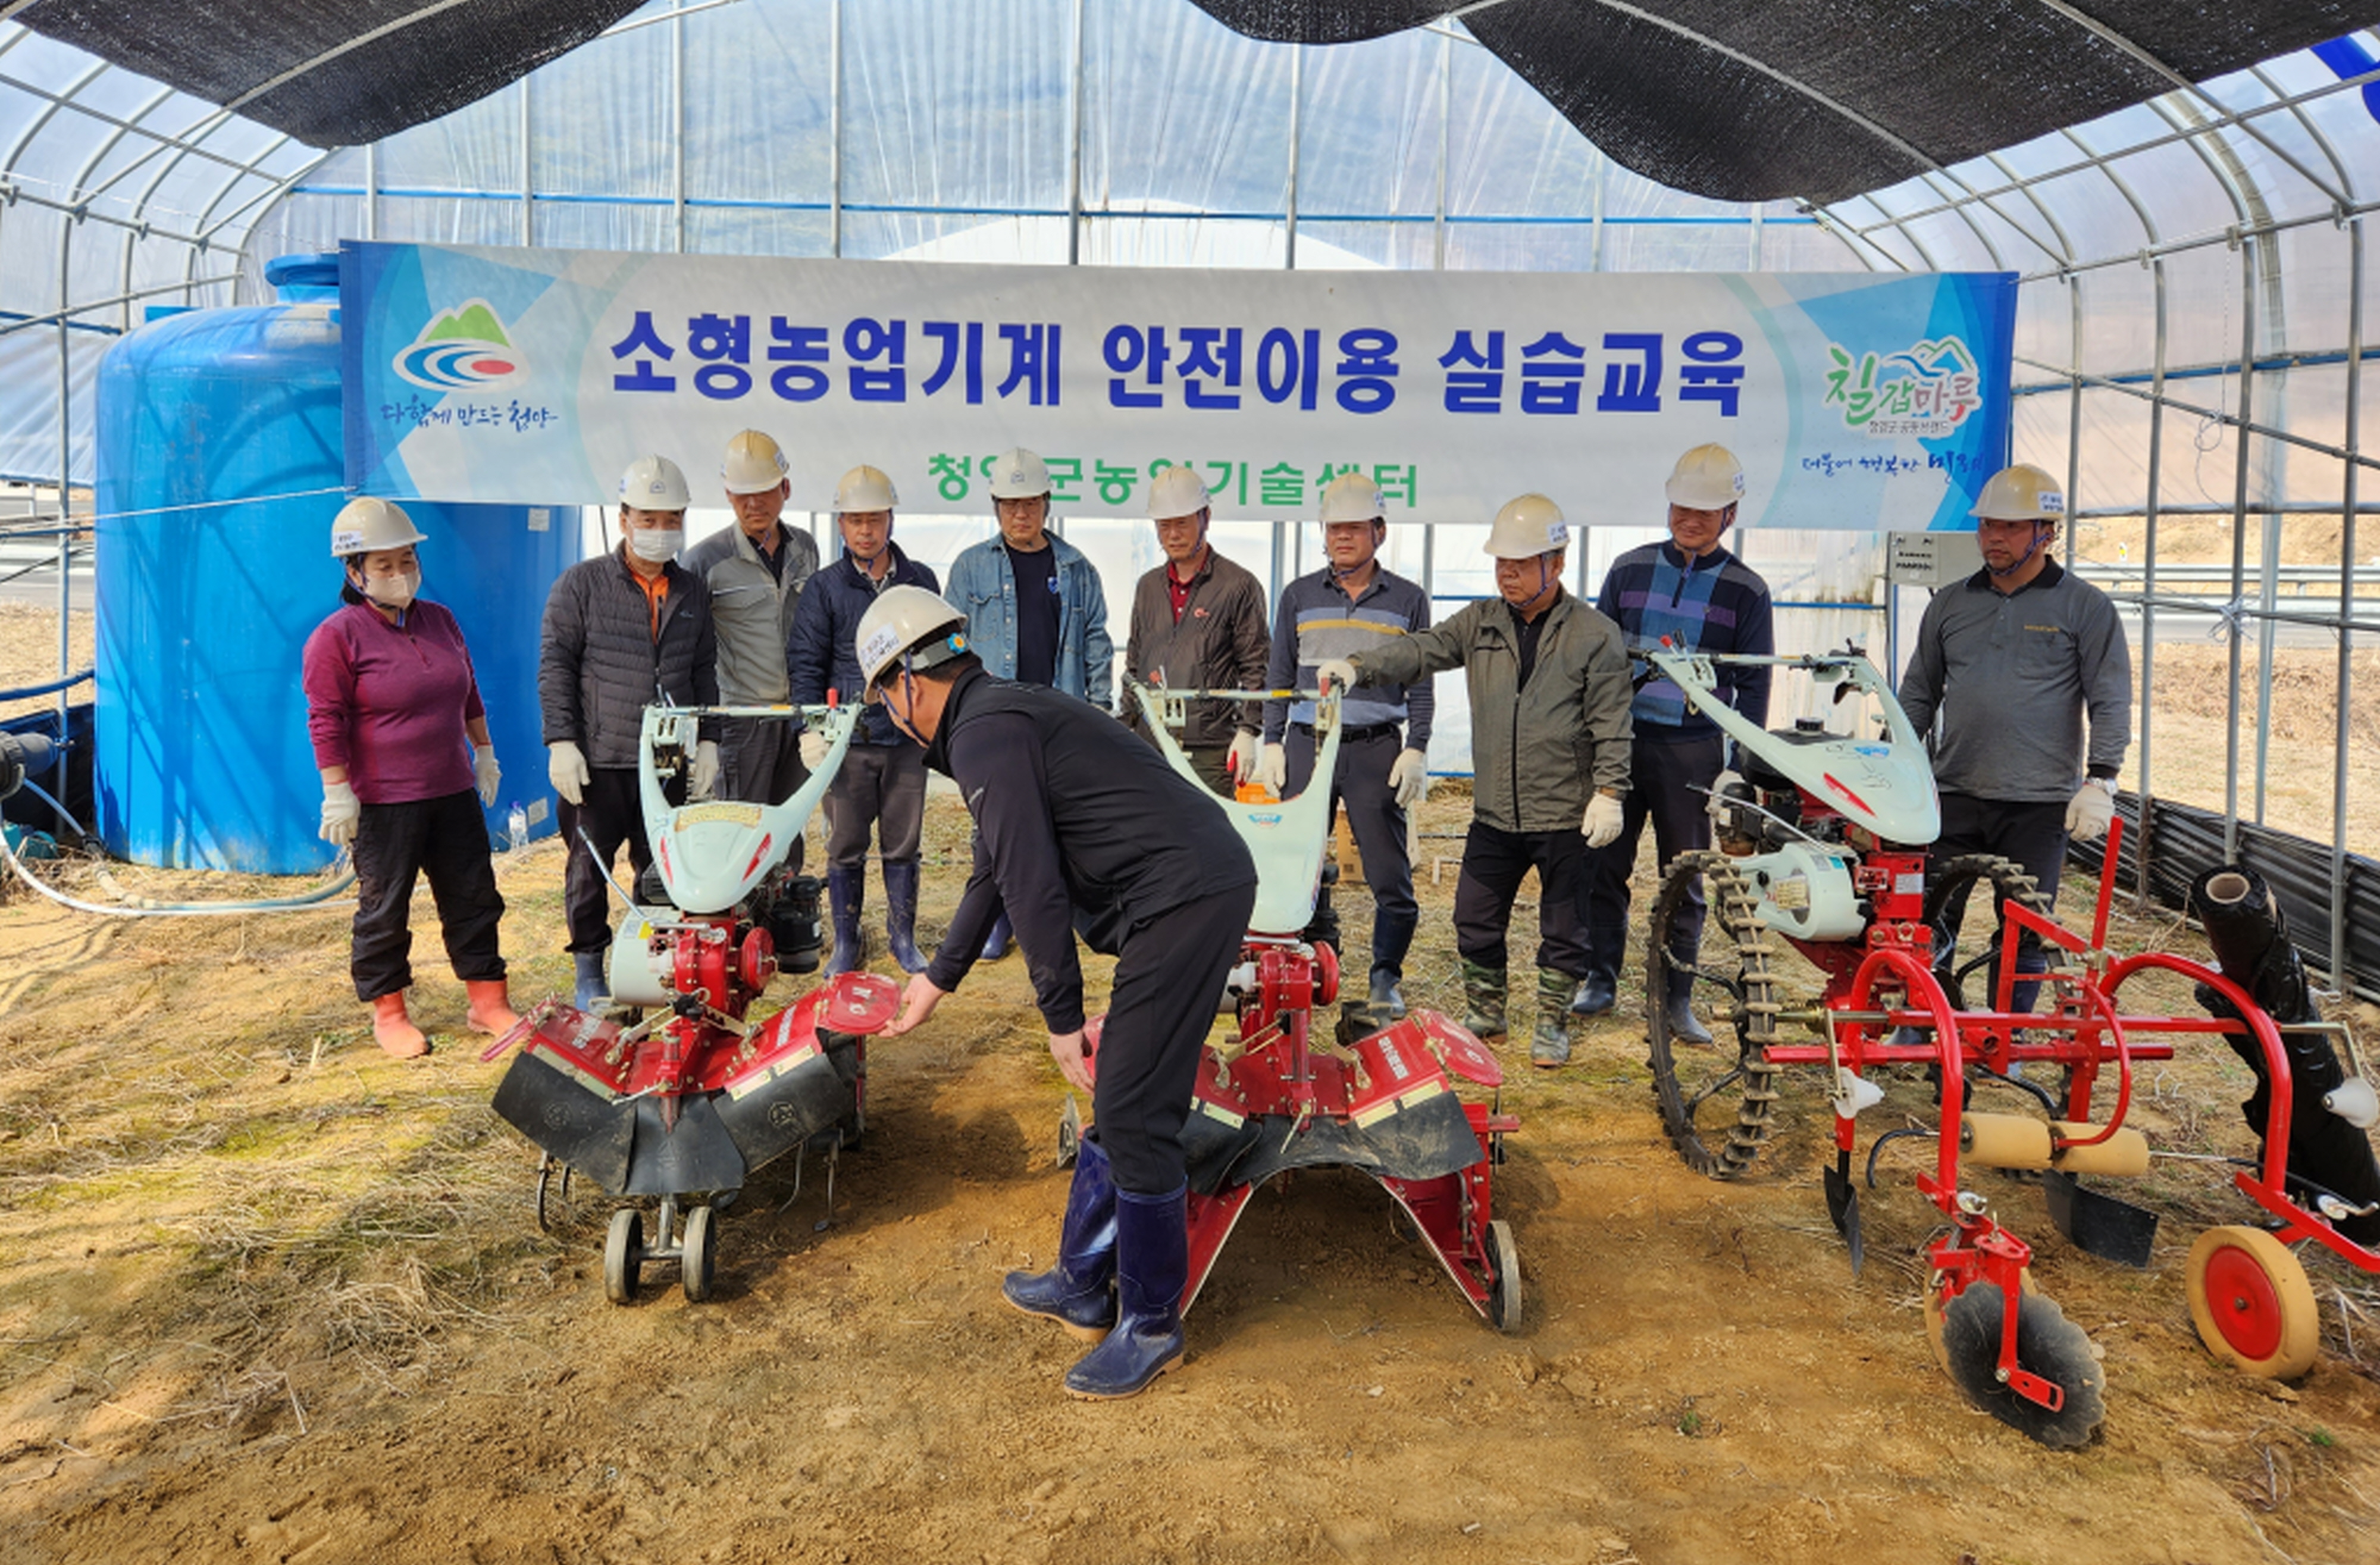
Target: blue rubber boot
[[1152, 1266], [901, 915], [594, 989], [1075, 1292], [995, 945], [844, 889]]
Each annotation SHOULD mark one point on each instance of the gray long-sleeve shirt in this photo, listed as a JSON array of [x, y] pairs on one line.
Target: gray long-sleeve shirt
[[2011, 675]]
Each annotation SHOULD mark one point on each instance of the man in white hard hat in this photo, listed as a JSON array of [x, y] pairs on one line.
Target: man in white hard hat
[[1699, 597], [1036, 611], [1549, 743], [621, 631], [1081, 827], [1198, 624], [2011, 660], [755, 571], [1354, 604], [881, 788]]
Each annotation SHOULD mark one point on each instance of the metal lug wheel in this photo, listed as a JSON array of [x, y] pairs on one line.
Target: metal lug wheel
[[1716, 1098], [2251, 1304], [624, 1255], [698, 1256], [1504, 1293]]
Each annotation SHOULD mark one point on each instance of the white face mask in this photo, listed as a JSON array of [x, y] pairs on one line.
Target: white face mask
[[655, 544], [392, 591]]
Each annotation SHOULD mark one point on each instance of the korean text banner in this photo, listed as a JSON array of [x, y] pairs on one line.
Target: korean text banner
[[536, 376]]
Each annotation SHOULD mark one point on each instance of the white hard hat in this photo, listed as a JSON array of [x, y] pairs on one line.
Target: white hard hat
[[654, 483], [906, 625], [755, 464], [1176, 492], [1352, 497], [1708, 478], [2020, 493], [367, 523], [1526, 527], [864, 488], [1018, 475]]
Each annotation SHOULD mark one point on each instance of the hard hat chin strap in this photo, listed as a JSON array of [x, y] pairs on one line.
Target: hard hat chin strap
[[2040, 536]]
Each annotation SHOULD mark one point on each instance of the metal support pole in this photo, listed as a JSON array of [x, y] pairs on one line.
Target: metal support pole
[[1445, 143], [2143, 840], [371, 190], [65, 517], [528, 168], [1595, 222], [834, 129], [2339, 978], [1073, 151], [2073, 407], [2238, 545], [1296, 117], [677, 113]]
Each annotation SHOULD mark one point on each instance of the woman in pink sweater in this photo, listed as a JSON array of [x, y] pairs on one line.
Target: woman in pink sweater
[[391, 702]]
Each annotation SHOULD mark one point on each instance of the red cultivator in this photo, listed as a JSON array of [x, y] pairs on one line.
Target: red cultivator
[[1276, 1097], [687, 1100], [1826, 850]]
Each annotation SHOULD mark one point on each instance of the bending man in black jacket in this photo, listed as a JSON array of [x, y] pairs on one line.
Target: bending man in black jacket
[[1080, 826]]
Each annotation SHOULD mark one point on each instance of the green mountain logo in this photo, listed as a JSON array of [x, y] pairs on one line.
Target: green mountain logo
[[474, 323]]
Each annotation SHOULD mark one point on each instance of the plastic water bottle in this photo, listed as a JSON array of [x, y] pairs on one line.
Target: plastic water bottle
[[517, 827]]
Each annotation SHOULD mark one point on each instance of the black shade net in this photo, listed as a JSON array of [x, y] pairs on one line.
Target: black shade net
[[1824, 99], [355, 70], [1739, 102]]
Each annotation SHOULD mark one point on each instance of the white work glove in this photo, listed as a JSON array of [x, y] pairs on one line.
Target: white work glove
[[813, 749], [706, 770], [1242, 761], [1335, 671], [1603, 820], [1272, 768], [341, 810], [1715, 805], [485, 774], [565, 768], [2089, 811], [1410, 778]]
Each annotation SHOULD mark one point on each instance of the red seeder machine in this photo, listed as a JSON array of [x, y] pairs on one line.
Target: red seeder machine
[[1278, 1097], [674, 1093], [1825, 849]]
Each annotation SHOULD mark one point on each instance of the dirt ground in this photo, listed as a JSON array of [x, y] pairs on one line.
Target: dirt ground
[[266, 1295]]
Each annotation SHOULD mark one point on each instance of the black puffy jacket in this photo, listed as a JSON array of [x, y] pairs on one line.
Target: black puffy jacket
[[821, 650], [600, 662]]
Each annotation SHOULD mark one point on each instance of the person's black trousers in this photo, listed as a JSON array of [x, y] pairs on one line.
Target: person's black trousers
[[1361, 785], [610, 814], [1662, 783], [445, 839], [2034, 835], [1493, 863], [1169, 981]]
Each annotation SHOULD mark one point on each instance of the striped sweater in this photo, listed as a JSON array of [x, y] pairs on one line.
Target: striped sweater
[[1714, 603]]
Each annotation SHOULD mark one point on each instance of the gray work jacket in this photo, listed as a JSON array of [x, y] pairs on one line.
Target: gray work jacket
[[752, 609]]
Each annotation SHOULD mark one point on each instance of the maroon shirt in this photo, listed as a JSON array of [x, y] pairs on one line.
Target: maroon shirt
[[389, 704]]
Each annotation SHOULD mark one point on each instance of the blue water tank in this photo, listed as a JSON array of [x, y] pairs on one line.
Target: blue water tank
[[220, 468]]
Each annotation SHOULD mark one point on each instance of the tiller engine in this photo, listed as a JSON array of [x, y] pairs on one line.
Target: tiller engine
[[675, 1093]]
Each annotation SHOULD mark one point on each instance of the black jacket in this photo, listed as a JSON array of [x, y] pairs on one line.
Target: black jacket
[[601, 662], [1078, 827], [821, 650]]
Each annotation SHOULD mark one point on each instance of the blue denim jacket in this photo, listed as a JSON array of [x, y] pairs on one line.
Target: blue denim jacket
[[982, 587]]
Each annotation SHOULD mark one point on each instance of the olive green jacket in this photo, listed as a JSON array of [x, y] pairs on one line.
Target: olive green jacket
[[1538, 752]]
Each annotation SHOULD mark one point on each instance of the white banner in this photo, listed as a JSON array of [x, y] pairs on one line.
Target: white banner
[[536, 376]]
